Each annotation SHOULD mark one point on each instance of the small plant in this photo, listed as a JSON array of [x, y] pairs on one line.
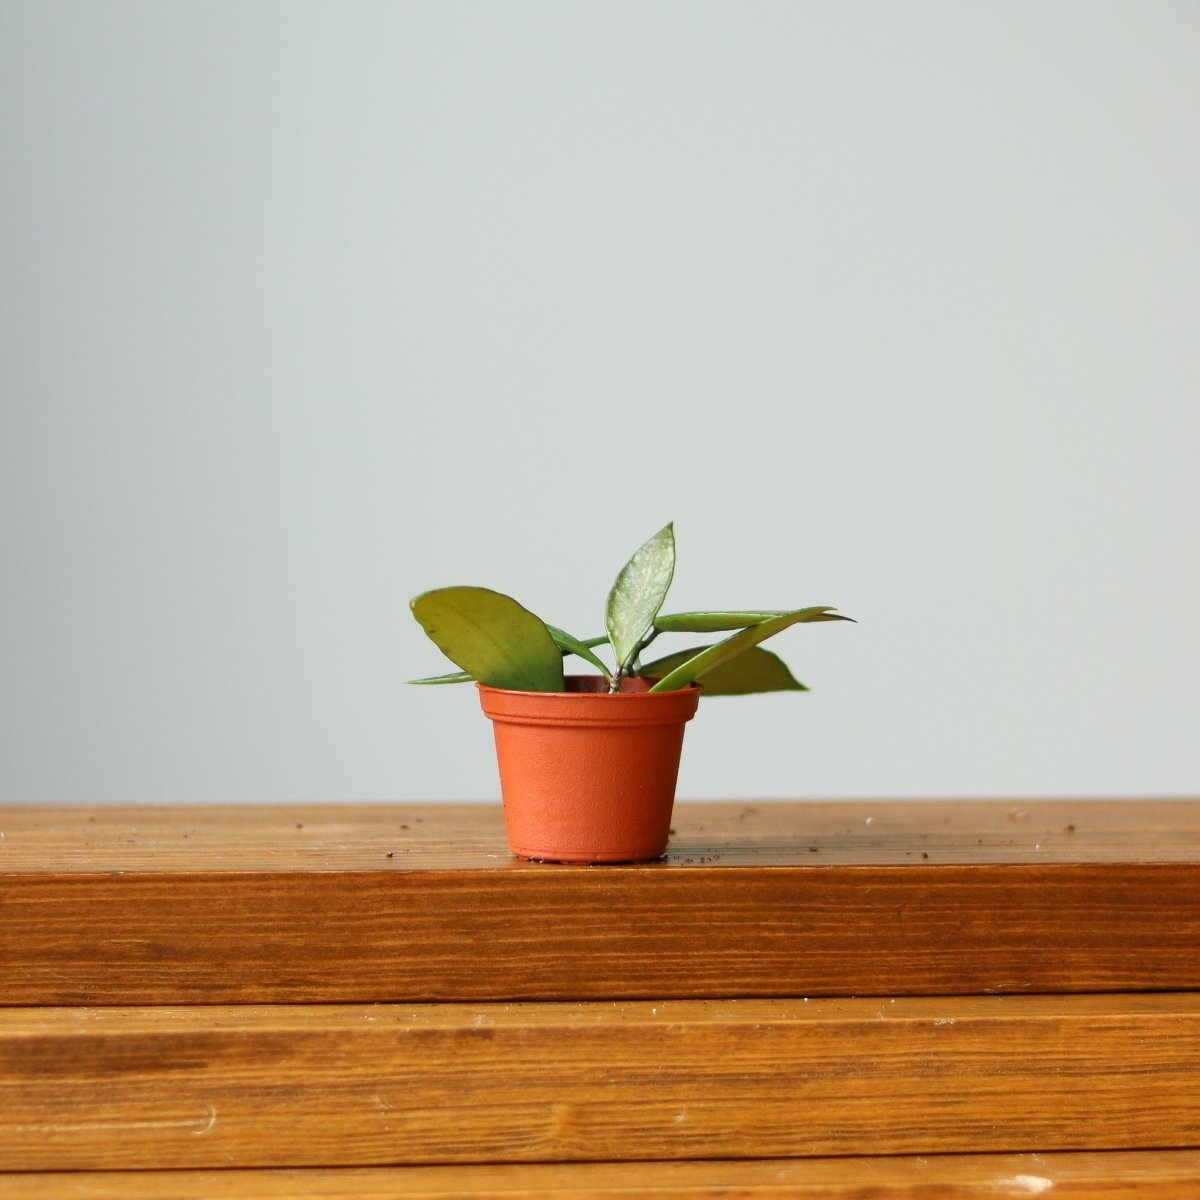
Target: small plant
[[501, 644]]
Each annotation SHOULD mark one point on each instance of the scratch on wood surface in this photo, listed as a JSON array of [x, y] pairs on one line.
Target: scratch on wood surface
[[197, 1126]]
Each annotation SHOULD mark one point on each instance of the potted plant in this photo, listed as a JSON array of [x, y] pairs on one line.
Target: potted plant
[[588, 763]]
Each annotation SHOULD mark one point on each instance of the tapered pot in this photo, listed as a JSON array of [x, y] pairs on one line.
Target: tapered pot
[[589, 777]]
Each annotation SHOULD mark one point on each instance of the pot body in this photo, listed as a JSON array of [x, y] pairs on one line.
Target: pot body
[[588, 777]]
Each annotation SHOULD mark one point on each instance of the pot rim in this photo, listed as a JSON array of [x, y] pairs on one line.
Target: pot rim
[[590, 694], [589, 708]]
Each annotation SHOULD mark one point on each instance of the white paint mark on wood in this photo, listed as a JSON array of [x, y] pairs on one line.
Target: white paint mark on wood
[[1028, 1185]]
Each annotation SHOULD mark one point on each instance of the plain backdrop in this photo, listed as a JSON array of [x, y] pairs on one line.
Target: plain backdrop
[[308, 307]]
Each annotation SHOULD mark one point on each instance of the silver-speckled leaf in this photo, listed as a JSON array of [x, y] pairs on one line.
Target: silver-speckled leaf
[[638, 594]]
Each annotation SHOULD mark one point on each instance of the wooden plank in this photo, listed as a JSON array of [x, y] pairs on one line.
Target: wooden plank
[[296, 938], [164, 906], [197, 1087], [1163, 1175], [443, 837]]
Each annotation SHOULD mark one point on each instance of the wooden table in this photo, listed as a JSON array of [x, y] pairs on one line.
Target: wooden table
[[841, 1000]]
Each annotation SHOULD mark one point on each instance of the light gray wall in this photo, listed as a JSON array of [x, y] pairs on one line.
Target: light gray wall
[[310, 307]]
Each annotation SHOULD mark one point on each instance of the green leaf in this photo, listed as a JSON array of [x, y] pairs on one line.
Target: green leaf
[[463, 677], [756, 670], [713, 622], [638, 594], [491, 637], [453, 677], [712, 657], [572, 645]]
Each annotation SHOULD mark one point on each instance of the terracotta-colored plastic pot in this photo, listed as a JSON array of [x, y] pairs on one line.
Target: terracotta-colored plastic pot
[[589, 777]]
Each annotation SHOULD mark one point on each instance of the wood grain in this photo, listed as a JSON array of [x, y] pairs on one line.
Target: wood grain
[[129, 1088], [1163, 1175], [303, 904]]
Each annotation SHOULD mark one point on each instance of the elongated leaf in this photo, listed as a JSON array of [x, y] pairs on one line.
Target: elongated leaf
[[491, 637], [713, 622], [755, 670], [638, 594], [711, 658], [453, 677], [572, 645]]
